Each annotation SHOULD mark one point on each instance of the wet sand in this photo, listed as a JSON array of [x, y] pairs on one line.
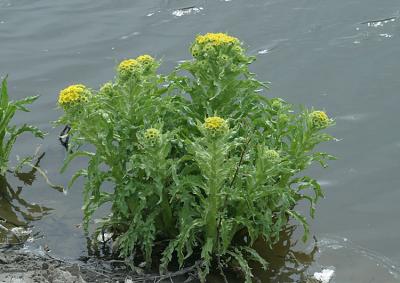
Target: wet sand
[[20, 267]]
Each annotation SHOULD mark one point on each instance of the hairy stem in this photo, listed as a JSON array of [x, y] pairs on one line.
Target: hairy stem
[[213, 195]]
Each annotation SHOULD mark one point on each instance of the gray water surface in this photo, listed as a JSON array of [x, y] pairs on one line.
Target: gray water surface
[[315, 52]]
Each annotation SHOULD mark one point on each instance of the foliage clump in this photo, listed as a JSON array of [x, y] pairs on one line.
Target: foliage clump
[[199, 160], [9, 133]]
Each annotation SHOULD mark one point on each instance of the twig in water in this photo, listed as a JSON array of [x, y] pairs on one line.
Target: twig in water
[[12, 232], [187, 8], [44, 175], [4, 228], [377, 21], [79, 265], [64, 137], [11, 222], [180, 272]]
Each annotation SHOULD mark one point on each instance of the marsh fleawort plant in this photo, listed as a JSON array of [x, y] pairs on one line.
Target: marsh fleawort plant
[[8, 132], [202, 163]]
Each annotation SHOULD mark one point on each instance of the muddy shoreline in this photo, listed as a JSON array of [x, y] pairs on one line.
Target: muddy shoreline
[[21, 266], [18, 266]]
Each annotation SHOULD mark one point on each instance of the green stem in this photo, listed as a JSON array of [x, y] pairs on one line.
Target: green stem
[[212, 197], [167, 215]]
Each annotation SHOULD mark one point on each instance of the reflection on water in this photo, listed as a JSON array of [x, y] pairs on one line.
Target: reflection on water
[[289, 262], [15, 210], [353, 263]]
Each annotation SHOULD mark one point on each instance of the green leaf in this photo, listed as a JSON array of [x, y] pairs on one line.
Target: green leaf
[[244, 266], [254, 255], [303, 221], [74, 155], [28, 100], [4, 94]]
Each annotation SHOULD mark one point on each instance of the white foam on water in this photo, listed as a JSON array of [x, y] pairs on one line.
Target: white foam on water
[[327, 183], [325, 275], [104, 237], [264, 51], [386, 35], [352, 117], [375, 24], [347, 260], [188, 11]]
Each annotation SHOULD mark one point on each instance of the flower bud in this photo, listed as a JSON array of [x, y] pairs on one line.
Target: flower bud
[[283, 118], [276, 104], [224, 59], [209, 49], [145, 60], [127, 68], [215, 124], [195, 50], [152, 134], [107, 88], [319, 119], [237, 50], [272, 155]]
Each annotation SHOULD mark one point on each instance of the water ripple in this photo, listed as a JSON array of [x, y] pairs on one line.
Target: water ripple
[[355, 262], [187, 11]]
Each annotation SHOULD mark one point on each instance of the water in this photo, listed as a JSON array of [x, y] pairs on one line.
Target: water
[[334, 55]]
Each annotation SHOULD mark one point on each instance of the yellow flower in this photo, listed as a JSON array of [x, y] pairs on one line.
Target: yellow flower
[[319, 119], [128, 65], [220, 48], [72, 94], [134, 66], [145, 59], [216, 39], [127, 68], [152, 134], [215, 124]]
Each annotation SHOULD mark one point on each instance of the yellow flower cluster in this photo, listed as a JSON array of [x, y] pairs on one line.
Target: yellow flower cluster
[[128, 65], [145, 59], [215, 124], [216, 39], [220, 48], [152, 134], [319, 119], [72, 94]]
